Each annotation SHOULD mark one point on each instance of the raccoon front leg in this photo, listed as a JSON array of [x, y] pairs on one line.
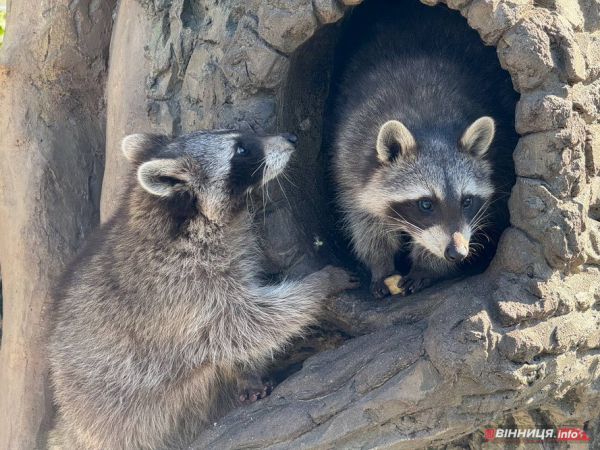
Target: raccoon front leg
[[267, 317], [375, 245], [252, 387], [416, 280], [426, 269], [380, 270]]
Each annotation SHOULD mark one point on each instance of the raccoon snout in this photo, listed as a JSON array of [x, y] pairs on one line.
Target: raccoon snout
[[458, 250], [456, 254], [292, 138]]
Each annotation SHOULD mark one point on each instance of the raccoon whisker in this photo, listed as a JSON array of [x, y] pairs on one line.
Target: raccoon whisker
[[503, 194], [473, 253], [260, 166], [249, 202], [283, 192], [494, 200], [487, 237], [266, 176], [414, 229], [405, 225], [393, 229], [481, 232], [499, 188], [392, 226], [420, 253], [395, 225], [491, 202], [402, 221], [262, 163], [474, 247], [471, 256], [480, 221], [264, 202], [288, 179], [482, 211], [268, 196], [399, 219]]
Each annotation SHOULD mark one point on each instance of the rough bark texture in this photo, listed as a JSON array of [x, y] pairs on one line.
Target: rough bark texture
[[516, 346], [53, 69]]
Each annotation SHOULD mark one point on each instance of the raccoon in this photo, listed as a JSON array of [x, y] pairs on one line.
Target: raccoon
[[422, 141], [163, 315]]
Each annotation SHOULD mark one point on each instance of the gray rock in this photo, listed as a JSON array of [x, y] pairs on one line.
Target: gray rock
[[493, 17], [286, 24], [539, 111]]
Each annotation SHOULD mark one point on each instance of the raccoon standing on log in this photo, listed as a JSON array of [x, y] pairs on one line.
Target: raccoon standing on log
[[422, 139], [163, 314]]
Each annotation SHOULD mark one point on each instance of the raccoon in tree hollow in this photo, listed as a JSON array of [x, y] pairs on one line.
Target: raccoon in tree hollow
[[422, 141]]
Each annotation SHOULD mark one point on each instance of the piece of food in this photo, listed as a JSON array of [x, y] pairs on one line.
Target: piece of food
[[392, 283]]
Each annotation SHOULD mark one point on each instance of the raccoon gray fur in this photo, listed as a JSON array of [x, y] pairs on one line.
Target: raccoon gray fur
[[422, 139], [164, 312]]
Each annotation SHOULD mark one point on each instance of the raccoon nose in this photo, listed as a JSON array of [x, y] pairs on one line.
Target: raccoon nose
[[456, 254], [292, 138]]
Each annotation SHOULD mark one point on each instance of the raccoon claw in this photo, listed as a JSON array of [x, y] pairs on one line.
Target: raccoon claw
[[413, 284], [340, 279], [379, 289], [250, 395]]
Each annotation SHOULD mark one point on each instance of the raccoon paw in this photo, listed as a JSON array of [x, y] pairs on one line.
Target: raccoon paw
[[379, 289], [252, 394], [338, 279], [411, 284]]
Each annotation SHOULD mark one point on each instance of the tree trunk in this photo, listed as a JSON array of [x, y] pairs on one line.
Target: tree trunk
[[53, 72], [516, 346], [126, 96]]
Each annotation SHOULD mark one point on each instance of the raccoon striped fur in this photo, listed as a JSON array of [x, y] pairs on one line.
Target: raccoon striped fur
[[422, 142], [164, 313]]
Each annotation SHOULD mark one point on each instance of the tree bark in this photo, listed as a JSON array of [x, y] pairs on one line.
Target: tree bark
[[52, 76], [127, 105]]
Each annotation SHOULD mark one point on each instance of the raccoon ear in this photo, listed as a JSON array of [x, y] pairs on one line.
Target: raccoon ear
[[477, 138], [163, 177], [394, 140], [140, 147]]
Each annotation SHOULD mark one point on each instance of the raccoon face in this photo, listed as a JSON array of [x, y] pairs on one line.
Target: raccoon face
[[436, 193], [206, 172], [257, 160]]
